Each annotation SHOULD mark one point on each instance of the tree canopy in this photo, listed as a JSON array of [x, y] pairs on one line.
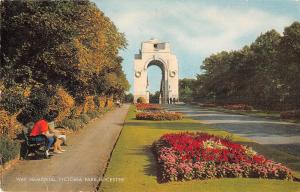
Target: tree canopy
[[265, 74], [68, 43]]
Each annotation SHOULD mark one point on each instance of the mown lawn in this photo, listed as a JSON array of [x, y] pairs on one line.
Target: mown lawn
[[132, 160]]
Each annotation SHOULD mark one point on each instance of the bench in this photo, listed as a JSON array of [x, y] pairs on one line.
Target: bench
[[33, 145]]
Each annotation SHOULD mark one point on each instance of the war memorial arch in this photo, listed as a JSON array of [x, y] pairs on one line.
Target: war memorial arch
[[155, 52]]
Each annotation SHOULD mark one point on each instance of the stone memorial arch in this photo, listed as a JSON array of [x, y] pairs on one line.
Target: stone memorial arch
[[155, 52]]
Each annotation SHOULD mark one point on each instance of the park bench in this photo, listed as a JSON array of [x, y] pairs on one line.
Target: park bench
[[33, 145]]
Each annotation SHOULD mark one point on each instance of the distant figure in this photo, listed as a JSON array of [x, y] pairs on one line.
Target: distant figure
[[170, 101], [174, 100], [118, 103]]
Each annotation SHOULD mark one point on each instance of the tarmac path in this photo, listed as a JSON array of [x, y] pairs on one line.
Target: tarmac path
[[80, 168]]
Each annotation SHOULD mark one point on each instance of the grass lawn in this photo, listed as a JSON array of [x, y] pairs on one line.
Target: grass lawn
[[132, 160]]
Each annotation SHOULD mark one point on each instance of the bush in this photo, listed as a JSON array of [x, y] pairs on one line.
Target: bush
[[84, 118], [141, 100], [102, 101], [158, 116], [38, 105], [290, 114], [9, 149], [63, 102], [187, 156], [12, 100], [76, 111], [74, 124], [9, 126], [109, 102], [4, 122], [147, 107], [94, 114], [89, 104]]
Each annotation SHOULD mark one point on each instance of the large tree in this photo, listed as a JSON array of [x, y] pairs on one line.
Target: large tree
[[65, 43], [264, 74]]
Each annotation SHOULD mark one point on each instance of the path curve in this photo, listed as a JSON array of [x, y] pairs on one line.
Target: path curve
[[79, 168], [278, 134]]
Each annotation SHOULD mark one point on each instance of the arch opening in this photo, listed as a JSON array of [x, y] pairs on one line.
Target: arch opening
[[156, 82]]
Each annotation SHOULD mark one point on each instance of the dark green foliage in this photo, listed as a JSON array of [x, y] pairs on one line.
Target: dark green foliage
[[154, 98], [9, 149], [186, 87], [12, 100], [37, 106], [128, 98]]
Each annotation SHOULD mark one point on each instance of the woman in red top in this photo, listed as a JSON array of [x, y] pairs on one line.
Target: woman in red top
[[41, 128]]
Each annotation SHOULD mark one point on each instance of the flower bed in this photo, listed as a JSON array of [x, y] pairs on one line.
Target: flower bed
[[238, 107], [187, 156], [147, 107], [158, 116]]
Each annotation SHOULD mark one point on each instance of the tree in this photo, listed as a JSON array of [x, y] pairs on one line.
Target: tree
[[128, 98], [186, 87], [289, 70], [66, 43], [154, 98], [264, 74]]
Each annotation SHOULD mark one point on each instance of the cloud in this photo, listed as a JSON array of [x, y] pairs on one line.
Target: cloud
[[197, 28]]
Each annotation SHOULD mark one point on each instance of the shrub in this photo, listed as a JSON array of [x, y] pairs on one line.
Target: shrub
[[290, 114], [74, 124], [4, 122], [141, 100], [84, 118], [102, 101], [63, 102], [158, 116], [94, 114], [38, 105], [238, 107], [9, 149], [76, 111], [109, 102], [187, 156], [147, 107], [89, 104], [13, 99], [9, 126]]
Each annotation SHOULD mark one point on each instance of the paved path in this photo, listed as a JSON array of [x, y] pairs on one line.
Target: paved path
[[79, 168], [274, 133]]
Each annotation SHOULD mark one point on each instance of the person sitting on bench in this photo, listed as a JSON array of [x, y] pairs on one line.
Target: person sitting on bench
[[41, 127], [58, 133]]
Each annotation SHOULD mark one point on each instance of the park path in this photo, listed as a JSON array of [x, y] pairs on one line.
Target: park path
[[284, 136], [77, 169]]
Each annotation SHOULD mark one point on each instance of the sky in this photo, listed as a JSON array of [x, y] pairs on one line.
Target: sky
[[195, 29]]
